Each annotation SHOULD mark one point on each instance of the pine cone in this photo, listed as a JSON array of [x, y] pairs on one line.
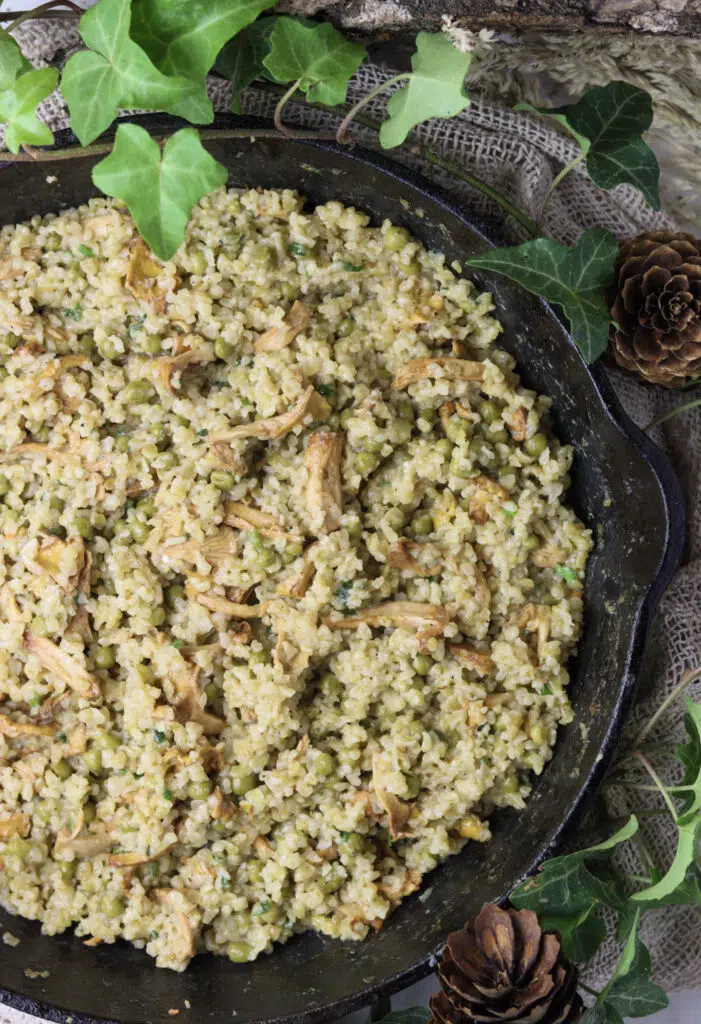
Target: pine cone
[[501, 967], [656, 303]]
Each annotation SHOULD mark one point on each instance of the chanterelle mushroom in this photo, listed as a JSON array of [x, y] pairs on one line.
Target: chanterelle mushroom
[[480, 663], [216, 549], [243, 517], [63, 560], [188, 706], [13, 730], [485, 491], [405, 554], [53, 659], [166, 366], [324, 488], [426, 619], [310, 405], [283, 334], [142, 274], [445, 367], [15, 825]]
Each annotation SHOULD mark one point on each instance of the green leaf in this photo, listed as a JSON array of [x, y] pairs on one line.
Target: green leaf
[[687, 845], [317, 56], [241, 60], [160, 188], [687, 892], [554, 116], [18, 109], [611, 120], [12, 61], [689, 754], [581, 934], [412, 1015], [564, 886], [114, 73], [601, 1013], [575, 279], [630, 952], [636, 997], [435, 88], [183, 37]]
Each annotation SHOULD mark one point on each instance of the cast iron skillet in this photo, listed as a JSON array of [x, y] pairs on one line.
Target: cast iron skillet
[[624, 488]]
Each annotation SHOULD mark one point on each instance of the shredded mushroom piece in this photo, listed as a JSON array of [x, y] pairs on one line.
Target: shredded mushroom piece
[[15, 825], [53, 659], [216, 603], [215, 549], [297, 586], [480, 663], [426, 619], [166, 366], [84, 846], [284, 334], [169, 898], [243, 517], [132, 860], [322, 460], [8, 605], [398, 813], [445, 367], [142, 275], [548, 556], [188, 704], [486, 491], [14, 730], [401, 555], [57, 554], [309, 404], [518, 423]]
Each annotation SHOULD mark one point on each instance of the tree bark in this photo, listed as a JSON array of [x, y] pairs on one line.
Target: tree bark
[[377, 17]]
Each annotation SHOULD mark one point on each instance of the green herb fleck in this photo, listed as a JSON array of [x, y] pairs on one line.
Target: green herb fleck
[[568, 575], [136, 325], [343, 594], [34, 702], [508, 511], [178, 644], [61, 737], [167, 794], [261, 908], [547, 691], [159, 736], [225, 882], [326, 390], [201, 433], [154, 869], [352, 268], [297, 249], [73, 312], [85, 250]]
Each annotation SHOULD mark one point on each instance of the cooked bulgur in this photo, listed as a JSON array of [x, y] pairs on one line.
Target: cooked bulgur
[[288, 585]]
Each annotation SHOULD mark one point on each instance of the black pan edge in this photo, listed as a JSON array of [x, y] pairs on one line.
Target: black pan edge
[[670, 555]]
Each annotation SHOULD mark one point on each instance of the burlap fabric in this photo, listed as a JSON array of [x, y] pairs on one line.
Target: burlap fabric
[[520, 155]]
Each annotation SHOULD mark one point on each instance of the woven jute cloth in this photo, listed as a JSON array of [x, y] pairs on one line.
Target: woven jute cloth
[[520, 155]]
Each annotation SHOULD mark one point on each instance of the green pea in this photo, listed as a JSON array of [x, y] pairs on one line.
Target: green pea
[[5, 486], [38, 626], [373, 444], [151, 344], [174, 594], [333, 879], [258, 658], [42, 435], [145, 674], [242, 782], [139, 531], [256, 540], [294, 549], [422, 525], [456, 430], [121, 530], [511, 785], [223, 349], [136, 392], [198, 261], [345, 327], [52, 242], [19, 847], [222, 479], [366, 462], [158, 616], [352, 842], [86, 343], [211, 693], [324, 764], [265, 558], [168, 460], [413, 786], [445, 447], [532, 542], [535, 445], [254, 870], [147, 506], [108, 740], [92, 759], [428, 416], [345, 418], [200, 790], [121, 443], [59, 531], [67, 869], [489, 411], [261, 255], [108, 348], [63, 769], [501, 435], [239, 952], [54, 502], [355, 529], [422, 664], [99, 520], [89, 812], [112, 907], [4, 374], [331, 685], [83, 527], [396, 238]]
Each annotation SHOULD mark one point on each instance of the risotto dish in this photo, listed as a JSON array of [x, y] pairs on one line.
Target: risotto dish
[[288, 581]]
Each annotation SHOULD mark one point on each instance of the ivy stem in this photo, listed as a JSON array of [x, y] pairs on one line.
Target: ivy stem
[[592, 991], [277, 116], [685, 681], [658, 783], [672, 413], [652, 789], [363, 101], [26, 15], [643, 879], [559, 177]]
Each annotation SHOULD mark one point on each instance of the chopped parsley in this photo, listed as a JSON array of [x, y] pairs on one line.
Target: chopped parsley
[[201, 433], [570, 577], [136, 325], [509, 511], [73, 312], [154, 869], [343, 594], [297, 249], [167, 794], [352, 268], [178, 644], [261, 908], [61, 737], [34, 702], [326, 390], [85, 250], [547, 691], [159, 736], [225, 882]]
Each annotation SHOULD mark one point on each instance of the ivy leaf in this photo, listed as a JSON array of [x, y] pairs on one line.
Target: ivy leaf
[[608, 122], [689, 754], [630, 990], [412, 1015], [241, 60], [687, 892], [602, 1013], [18, 109], [12, 61], [114, 73], [687, 845], [581, 934], [435, 88], [160, 188], [317, 56], [575, 279], [183, 37], [565, 886]]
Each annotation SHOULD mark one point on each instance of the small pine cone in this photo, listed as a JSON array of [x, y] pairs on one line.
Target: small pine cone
[[656, 303], [502, 967]]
